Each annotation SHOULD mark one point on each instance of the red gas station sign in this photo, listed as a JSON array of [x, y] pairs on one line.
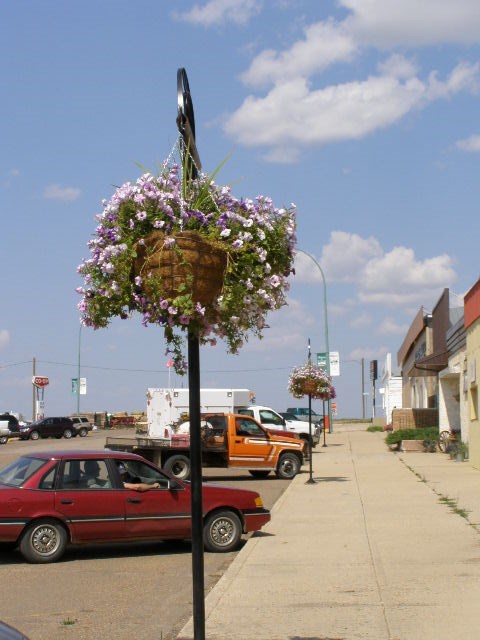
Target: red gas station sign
[[40, 381]]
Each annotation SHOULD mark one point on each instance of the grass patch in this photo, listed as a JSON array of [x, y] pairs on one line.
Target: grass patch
[[69, 621], [452, 504], [372, 429]]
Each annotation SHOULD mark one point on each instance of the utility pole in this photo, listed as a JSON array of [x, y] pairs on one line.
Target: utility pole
[[363, 390], [34, 409]]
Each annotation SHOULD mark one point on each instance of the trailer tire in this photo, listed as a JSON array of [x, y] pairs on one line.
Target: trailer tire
[[178, 466], [288, 466]]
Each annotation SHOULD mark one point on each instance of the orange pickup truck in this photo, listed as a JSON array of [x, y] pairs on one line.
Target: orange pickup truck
[[228, 440]]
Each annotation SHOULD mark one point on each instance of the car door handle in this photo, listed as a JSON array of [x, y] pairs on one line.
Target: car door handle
[[66, 501], [135, 500]]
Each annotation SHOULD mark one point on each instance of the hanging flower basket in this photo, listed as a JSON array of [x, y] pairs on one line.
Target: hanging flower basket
[[310, 380], [188, 255]]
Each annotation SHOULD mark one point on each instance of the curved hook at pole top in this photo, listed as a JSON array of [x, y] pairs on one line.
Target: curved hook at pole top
[[184, 99], [186, 122]]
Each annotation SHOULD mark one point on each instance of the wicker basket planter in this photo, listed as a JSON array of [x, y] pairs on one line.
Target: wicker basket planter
[[309, 387], [191, 264]]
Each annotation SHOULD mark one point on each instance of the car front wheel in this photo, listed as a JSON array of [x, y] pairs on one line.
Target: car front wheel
[[222, 531], [34, 435], [44, 541], [4, 440], [82, 433], [288, 466]]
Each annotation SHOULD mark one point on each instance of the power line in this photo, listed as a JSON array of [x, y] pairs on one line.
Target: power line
[[14, 364], [85, 366]]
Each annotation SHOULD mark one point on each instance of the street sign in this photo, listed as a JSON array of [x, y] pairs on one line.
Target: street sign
[[322, 360], [333, 406], [40, 381], [334, 362]]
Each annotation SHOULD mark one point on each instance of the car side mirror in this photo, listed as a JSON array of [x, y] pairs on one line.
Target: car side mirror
[[284, 422]]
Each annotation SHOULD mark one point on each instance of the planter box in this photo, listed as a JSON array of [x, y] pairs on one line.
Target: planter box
[[412, 445]]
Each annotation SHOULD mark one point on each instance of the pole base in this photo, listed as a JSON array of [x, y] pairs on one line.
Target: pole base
[[311, 481]]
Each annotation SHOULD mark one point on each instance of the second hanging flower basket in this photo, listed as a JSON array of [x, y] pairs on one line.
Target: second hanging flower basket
[[311, 380]]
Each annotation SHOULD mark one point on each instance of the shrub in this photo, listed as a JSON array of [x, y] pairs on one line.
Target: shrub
[[425, 433]]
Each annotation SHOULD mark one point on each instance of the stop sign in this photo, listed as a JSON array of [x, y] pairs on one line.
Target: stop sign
[[40, 381]]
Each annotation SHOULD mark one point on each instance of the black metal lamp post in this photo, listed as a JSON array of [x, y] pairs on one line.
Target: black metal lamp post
[[310, 479], [191, 165]]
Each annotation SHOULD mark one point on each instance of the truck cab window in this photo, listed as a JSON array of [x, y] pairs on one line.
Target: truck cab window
[[247, 427]]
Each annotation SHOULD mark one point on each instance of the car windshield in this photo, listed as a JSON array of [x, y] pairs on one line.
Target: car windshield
[[32, 424], [18, 472]]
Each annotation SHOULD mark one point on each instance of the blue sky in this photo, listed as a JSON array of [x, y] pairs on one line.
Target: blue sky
[[364, 113]]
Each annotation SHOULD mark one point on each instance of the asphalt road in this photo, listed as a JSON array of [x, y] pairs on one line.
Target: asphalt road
[[141, 591]]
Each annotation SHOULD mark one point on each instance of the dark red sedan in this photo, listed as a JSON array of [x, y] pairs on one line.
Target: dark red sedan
[[49, 500]]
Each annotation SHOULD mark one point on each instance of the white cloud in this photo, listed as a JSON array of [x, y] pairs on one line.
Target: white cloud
[[4, 338], [361, 321], [293, 116], [215, 12], [295, 113], [394, 278], [368, 354], [389, 23], [345, 256], [9, 177], [324, 44], [471, 144], [389, 326], [286, 328], [399, 267], [57, 192]]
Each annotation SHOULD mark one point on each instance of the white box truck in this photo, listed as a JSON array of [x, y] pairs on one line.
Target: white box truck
[[165, 407]]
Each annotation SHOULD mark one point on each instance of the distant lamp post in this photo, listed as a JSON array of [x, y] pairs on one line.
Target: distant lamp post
[[78, 369], [325, 316]]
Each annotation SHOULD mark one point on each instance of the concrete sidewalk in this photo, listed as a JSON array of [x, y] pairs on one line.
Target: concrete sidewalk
[[376, 549]]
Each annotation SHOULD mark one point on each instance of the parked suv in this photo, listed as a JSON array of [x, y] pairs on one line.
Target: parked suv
[[48, 428], [82, 425], [302, 414]]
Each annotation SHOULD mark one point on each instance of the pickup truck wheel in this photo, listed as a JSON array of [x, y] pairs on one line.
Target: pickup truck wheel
[[259, 473], [4, 440], [288, 466], [222, 531], [43, 541], [178, 466], [82, 433]]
